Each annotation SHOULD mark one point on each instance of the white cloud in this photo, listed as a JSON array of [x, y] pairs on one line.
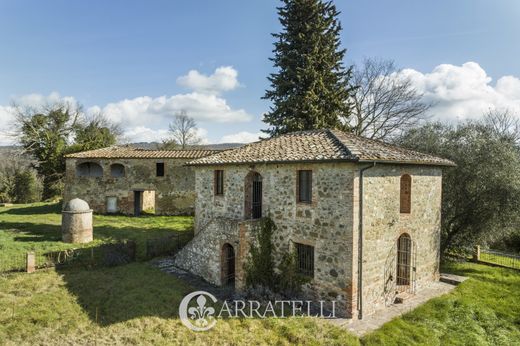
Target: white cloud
[[241, 137], [144, 134], [146, 110], [465, 92], [223, 79], [6, 125], [38, 100]]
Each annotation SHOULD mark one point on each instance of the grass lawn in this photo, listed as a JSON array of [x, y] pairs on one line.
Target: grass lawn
[[37, 227], [484, 310], [137, 304]]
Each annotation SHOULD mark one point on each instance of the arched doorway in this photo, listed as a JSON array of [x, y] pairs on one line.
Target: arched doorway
[[253, 196], [228, 265], [404, 261]]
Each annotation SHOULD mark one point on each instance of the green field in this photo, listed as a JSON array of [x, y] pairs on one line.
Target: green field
[[36, 227], [137, 303]]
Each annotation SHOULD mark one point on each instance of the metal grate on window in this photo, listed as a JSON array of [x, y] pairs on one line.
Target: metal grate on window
[[305, 258], [305, 186]]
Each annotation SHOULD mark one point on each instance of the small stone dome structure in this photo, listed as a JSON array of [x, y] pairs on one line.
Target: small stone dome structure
[[76, 222]]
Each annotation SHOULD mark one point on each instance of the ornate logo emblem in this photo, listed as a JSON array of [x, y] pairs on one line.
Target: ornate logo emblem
[[198, 317]]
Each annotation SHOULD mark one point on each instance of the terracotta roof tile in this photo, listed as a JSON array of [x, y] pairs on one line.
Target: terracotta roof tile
[[319, 145], [128, 152]]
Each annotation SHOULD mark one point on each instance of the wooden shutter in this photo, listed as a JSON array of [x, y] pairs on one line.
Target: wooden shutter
[[406, 194]]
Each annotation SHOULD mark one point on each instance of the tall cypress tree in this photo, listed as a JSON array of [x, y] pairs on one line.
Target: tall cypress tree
[[311, 88]]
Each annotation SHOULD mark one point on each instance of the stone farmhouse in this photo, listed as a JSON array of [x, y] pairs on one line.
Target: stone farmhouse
[[127, 180], [363, 216]]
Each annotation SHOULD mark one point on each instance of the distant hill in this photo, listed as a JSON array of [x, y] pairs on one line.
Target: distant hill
[[14, 154], [220, 146]]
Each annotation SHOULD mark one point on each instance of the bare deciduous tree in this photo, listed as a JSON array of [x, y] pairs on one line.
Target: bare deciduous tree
[[385, 102], [504, 123], [183, 131]]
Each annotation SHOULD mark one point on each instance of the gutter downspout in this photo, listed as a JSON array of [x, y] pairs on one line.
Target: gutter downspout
[[360, 241]]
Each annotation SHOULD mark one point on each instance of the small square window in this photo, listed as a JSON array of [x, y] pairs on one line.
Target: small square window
[[305, 186], [219, 182], [159, 168], [305, 259]]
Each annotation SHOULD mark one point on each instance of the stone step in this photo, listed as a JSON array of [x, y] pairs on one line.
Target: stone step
[[452, 279]]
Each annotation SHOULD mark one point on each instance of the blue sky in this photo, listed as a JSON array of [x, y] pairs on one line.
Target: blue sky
[[462, 54]]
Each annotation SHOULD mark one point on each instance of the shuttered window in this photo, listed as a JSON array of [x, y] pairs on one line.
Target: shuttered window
[[305, 258], [406, 194], [304, 186], [219, 182]]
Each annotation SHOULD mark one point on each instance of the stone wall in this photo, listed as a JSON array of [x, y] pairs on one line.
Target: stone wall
[[330, 224], [174, 193], [383, 224], [203, 255], [326, 223]]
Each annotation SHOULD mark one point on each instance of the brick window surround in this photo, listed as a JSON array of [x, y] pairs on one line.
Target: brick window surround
[[406, 194], [305, 259]]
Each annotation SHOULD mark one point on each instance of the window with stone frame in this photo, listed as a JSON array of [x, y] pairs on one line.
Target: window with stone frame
[[406, 194], [305, 259], [218, 186], [304, 186]]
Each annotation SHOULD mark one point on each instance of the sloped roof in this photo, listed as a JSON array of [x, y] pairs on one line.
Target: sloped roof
[[319, 145], [128, 152]]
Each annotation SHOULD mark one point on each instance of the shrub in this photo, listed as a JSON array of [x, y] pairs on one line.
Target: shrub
[[290, 280], [260, 265], [260, 269], [25, 189]]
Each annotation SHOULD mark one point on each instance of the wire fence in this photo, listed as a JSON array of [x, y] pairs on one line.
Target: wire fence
[[13, 262], [500, 258], [105, 255], [167, 246]]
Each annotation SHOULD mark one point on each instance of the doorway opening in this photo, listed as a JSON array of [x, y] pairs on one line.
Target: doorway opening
[[144, 202], [228, 265]]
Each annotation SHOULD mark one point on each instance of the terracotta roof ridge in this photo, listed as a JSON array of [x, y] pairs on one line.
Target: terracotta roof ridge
[[335, 138]]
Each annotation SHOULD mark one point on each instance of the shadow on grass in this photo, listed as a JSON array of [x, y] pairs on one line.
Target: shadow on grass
[[54, 208], [47, 232], [118, 294], [30, 231]]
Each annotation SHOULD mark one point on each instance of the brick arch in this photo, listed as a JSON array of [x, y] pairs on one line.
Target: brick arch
[[89, 169]]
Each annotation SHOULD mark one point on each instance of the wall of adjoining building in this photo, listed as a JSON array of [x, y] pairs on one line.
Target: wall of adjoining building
[[172, 194]]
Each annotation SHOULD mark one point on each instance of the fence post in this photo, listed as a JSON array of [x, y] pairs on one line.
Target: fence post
[[30, 262], [476, 253]]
